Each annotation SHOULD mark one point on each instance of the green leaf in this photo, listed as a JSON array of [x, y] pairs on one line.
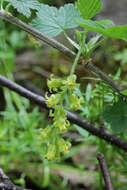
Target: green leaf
[[24, 6], [95, 26], [89, 8], [92, 26], [81, 131], [117, 32], [116, 115], [105, 23], [8, 57], [88, 92], [100, 27], [53, 21], [124, 92]]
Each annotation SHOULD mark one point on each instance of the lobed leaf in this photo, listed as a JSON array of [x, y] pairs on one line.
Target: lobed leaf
[[102, 27], [24, 6], [95, 26], [116, 115], [105, 23], [89, 8], [53, 21]]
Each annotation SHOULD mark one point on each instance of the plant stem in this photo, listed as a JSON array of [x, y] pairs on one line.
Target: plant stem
[[2, 2], [76, 61], [46, 176]]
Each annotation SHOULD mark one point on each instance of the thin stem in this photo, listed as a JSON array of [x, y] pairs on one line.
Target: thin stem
[[76, 61], [78, 54], [2, 2], [46, 178]]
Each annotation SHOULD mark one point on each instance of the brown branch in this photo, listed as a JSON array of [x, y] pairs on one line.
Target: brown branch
[[28, 85], [94, 130], [95, 70], [53, 43], [6, 183], [105, 172]]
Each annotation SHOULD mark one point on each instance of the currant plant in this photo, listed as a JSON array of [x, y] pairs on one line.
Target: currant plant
[[52, 22], [52, 134]]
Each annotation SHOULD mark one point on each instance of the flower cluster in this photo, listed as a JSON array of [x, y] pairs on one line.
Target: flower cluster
[[56, 146], [54, 151]]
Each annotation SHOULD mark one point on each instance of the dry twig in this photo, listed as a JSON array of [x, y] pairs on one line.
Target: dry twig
[[6, 183], [105, 172]]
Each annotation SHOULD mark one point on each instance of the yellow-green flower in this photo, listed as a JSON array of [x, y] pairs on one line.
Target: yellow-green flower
[[70, 83], [62, 124], [57, 146], [75, 102], [63, 145], [51, 152], [54, 83], [53, 100], [59, 112], [45, 133]]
